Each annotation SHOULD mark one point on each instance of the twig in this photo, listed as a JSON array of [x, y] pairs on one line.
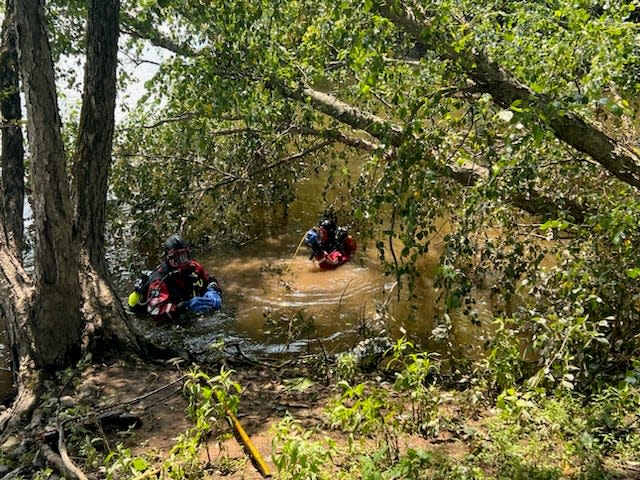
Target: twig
[[249, 359], [70, 467], [391, 289], [344, 290], [234, 131], [178, 118], [324, 352], [277, 163], [14, 473], [106, 408], [153, 392]]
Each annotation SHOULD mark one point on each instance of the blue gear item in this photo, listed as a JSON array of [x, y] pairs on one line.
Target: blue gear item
[[211, 300], [312, 240]]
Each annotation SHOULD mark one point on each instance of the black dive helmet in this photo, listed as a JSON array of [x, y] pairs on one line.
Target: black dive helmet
[[328, 224], [327, 230], [176, 251]]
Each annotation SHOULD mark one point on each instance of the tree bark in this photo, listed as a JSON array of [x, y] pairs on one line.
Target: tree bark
[[16, 300], [44, 314], [54, 319], [12, 158], [92, 157], [16, 288], [107, 326]]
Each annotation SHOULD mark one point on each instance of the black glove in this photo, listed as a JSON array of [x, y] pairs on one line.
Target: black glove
[[182, 307], [215, 286]]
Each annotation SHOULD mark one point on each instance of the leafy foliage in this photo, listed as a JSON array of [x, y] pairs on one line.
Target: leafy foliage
[[536, 230]]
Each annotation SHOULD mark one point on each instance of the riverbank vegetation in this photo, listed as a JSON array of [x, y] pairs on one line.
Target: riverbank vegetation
[[321, 419], [501, 137]]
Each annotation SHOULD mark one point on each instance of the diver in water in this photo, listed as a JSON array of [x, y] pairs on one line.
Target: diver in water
[[177, 286], [331, 245]]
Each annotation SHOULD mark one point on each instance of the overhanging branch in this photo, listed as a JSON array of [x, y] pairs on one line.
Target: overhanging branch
[[505, 88], [388, 133]]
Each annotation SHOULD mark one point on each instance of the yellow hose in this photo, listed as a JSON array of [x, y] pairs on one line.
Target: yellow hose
[[259, 462]]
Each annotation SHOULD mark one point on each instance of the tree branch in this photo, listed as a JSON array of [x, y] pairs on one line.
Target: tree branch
[[131, 26], [505, 88], [388, 133], [70, 468]]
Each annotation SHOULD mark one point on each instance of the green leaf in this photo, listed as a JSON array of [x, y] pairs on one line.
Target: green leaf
[[616, 109], [140, 464], [633, 272], [554, 224], [300, 384], [537, 87]]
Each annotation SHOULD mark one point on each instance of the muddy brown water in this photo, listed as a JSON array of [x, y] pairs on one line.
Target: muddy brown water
[[279, 302], [276, 296]]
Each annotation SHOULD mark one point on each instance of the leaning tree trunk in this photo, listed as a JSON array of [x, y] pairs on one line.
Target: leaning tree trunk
[[615, 157], [54, 318], [107, 324], [12, 158]]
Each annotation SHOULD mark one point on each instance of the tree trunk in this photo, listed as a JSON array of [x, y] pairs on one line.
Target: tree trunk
[[44, 314], [16, 299], [107, 324], [54, 318], [615, 157], [92, 157], [12, 160]]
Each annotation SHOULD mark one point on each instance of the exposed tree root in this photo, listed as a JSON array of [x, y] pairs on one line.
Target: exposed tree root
[[70, 468], [30, 382]]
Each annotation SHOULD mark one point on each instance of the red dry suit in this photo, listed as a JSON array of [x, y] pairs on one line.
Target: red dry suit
[[330, 246]]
